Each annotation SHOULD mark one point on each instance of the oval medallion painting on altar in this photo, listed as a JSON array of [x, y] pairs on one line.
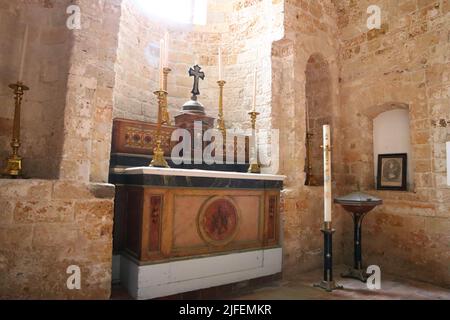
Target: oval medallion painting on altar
[[218, 221]]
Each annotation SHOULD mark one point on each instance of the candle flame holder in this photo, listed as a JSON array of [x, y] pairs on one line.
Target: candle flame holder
[[158, 154], [14, 163], [255, 166], [328, 284], [165, 117]]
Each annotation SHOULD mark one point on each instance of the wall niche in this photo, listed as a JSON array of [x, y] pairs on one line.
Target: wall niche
[[391, 135], [318, 113]]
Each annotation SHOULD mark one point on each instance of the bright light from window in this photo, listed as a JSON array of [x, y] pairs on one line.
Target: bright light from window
[[200, 12], [177, 11]]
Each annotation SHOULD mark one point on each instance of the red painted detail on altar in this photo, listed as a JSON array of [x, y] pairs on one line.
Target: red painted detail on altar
[[133, 239], [155, 218], [271, 232], [218, 221]]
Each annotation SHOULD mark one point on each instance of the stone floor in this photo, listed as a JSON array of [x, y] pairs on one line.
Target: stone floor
[[392, 288], [301, 288]]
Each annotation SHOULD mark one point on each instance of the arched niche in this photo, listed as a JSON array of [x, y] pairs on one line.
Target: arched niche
[[392, 135], [318, 113]]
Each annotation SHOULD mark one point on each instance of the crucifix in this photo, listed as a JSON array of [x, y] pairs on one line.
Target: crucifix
[[197, 74]]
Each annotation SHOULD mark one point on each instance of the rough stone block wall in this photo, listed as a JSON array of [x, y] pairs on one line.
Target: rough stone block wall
[[310, 30], [406, 62], [89, 98], [46, 69], [244, 30], [47, 226]]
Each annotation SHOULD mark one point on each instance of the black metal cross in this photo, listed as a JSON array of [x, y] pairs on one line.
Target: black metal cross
[[197, 74]]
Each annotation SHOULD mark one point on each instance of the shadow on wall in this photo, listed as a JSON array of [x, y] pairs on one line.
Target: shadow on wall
[[46, 71]]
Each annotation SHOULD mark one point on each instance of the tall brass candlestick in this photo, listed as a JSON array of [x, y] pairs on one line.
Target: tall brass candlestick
[[158, 153], [14, 164], [221, 120], [165, 113], [308, 165], [255, 166]]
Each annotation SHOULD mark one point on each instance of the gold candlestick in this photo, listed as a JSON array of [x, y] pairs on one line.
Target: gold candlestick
[[165, 113], [158, 153], [220, 119], [14, 164], [308, 164], [255, 166]]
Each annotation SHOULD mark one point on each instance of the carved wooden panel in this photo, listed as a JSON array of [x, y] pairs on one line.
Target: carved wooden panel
[[156, 205], [271, 222], [120, 207], [167, 223], [136, 137], [134, 221], [272, 225]]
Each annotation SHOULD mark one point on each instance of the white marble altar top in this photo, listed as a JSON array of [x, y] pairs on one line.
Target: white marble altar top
[[202, 173]]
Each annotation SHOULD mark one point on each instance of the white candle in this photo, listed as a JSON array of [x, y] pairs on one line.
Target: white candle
[[327, 172], [23, 53], [161, 64], [255, 82], [166, 50], [220, 64]]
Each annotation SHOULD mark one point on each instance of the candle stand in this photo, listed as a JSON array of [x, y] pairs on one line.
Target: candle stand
[[255, 166], [358, 204], [158, 153], [14, 162], [328, 282], [165, 117], [220, 119]]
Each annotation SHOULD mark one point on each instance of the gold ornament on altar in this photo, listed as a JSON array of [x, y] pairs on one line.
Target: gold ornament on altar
[[255, 166], [220, 119], [158, 153], [165, 112]]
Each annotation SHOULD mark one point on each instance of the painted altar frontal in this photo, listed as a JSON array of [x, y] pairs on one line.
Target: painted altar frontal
[[188, 226]]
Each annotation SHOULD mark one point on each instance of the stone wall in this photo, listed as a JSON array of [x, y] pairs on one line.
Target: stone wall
[[46, 69], [89, 98], [47, 226], [318, 113], [406, 62], [244, 30], [80, 80], [310, 30]]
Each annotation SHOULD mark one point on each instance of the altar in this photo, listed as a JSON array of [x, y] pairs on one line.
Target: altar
[[182, 226], [185, 230]]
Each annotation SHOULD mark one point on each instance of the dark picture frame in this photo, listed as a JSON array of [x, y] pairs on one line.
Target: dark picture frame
[[392, 172]]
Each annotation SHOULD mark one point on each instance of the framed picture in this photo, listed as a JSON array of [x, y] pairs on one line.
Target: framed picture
[[392, 171]]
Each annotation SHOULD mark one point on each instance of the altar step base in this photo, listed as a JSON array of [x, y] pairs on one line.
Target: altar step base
[[167, 279]]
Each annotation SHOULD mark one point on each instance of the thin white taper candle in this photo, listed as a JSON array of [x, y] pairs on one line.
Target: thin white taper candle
[[23, 53], [255, 83], [220, 64], [327, 172], [166, 50], [161, 64]]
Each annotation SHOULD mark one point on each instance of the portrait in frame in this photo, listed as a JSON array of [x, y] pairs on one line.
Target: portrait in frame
[[392, 172]]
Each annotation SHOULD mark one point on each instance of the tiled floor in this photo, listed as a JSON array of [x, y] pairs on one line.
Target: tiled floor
[[392, 288], [301, 288]]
